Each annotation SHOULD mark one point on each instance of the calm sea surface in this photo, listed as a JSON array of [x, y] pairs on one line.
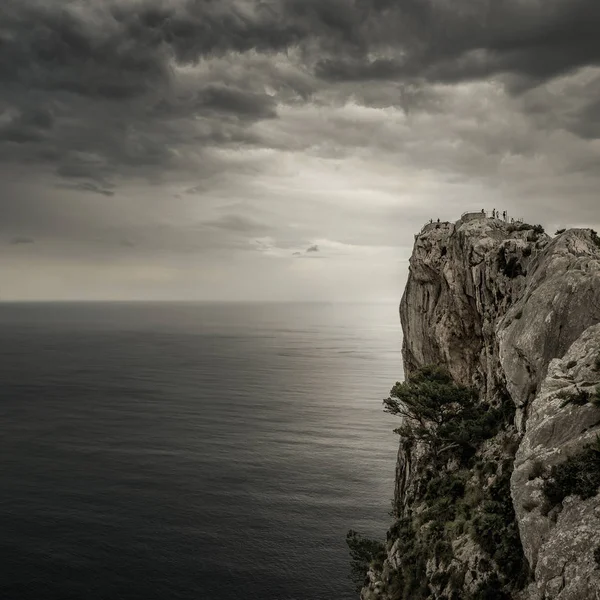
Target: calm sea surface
[[192, 451]]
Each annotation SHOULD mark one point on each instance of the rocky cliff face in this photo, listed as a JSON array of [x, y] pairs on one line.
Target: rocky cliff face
[[513, 313]]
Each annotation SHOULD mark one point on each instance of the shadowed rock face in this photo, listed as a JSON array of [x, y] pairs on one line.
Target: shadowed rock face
[[505, 311]]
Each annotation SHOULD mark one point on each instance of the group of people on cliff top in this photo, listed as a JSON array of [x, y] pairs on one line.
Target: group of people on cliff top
[[496, 214]]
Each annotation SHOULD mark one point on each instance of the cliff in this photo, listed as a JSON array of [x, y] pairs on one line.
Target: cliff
[[513, 314]]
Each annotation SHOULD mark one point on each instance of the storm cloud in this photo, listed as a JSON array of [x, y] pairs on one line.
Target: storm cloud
[[186, 141]]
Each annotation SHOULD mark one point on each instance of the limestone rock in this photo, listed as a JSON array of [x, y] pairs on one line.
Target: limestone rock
[[560, 545], [515, 314], [560, 300]]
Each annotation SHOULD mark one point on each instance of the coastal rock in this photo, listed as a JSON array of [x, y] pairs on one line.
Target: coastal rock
[[515, 314], [560, 545], [560, 300]]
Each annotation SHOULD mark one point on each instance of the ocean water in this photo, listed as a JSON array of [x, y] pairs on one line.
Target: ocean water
[[192, 451]]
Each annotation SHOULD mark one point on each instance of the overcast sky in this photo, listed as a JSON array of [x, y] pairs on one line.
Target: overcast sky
[[281, 149]]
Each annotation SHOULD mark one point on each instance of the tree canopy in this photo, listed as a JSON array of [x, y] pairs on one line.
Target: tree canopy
[[440, 413]]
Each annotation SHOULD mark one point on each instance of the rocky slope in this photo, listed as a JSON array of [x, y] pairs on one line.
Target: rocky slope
[[514, 314]]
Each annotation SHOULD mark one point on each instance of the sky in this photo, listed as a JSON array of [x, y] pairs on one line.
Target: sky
[[281, 149]]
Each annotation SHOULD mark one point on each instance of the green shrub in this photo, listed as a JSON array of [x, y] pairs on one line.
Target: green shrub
[[442, 551], [451, 494], [512, 267], [579, 397], [537, 470], [410, 580], [445, 416], [495, 530], [538, 229], [518, 227], [489, 468], [595, 238], [597, 557], [578, 475], [491, 589], [450, 485], [457, 580], [519, 315], [559, 231], [363, 552]]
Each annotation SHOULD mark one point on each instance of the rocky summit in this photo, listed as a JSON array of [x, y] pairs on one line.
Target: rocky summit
[[498, 474]]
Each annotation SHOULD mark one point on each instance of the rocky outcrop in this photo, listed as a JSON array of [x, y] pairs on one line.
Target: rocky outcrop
[[463, 279], [560, 544], [560, 300], [513, 313]]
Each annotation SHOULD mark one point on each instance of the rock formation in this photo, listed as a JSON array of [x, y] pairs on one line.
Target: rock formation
[[514, 314]]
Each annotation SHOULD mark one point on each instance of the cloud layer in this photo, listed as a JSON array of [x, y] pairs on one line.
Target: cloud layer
[[216, 142]]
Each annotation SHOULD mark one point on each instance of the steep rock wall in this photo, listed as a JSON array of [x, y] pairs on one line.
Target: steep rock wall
[[504, 309], [559, 544]]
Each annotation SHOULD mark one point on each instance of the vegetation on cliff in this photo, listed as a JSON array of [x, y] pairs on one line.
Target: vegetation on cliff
[[364, 553], [458, 495], [579, 475], [447, 418]]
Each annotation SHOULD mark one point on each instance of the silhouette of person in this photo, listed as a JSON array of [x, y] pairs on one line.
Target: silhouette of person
[[504, 215], [438, 220]]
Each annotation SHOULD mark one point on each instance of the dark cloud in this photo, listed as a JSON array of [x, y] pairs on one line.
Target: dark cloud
[[187, 127], [60, 48], [109, 80], [123, 50], [237, 102], [310, 252], [307, 255], [586, 122], [445, 41], [118, 50], [24, 126], [104, 79]]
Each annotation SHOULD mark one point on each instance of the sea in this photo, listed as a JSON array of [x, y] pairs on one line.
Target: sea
[[192, 451]]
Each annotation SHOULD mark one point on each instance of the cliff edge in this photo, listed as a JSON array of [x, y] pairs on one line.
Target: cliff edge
[[509, 506]]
